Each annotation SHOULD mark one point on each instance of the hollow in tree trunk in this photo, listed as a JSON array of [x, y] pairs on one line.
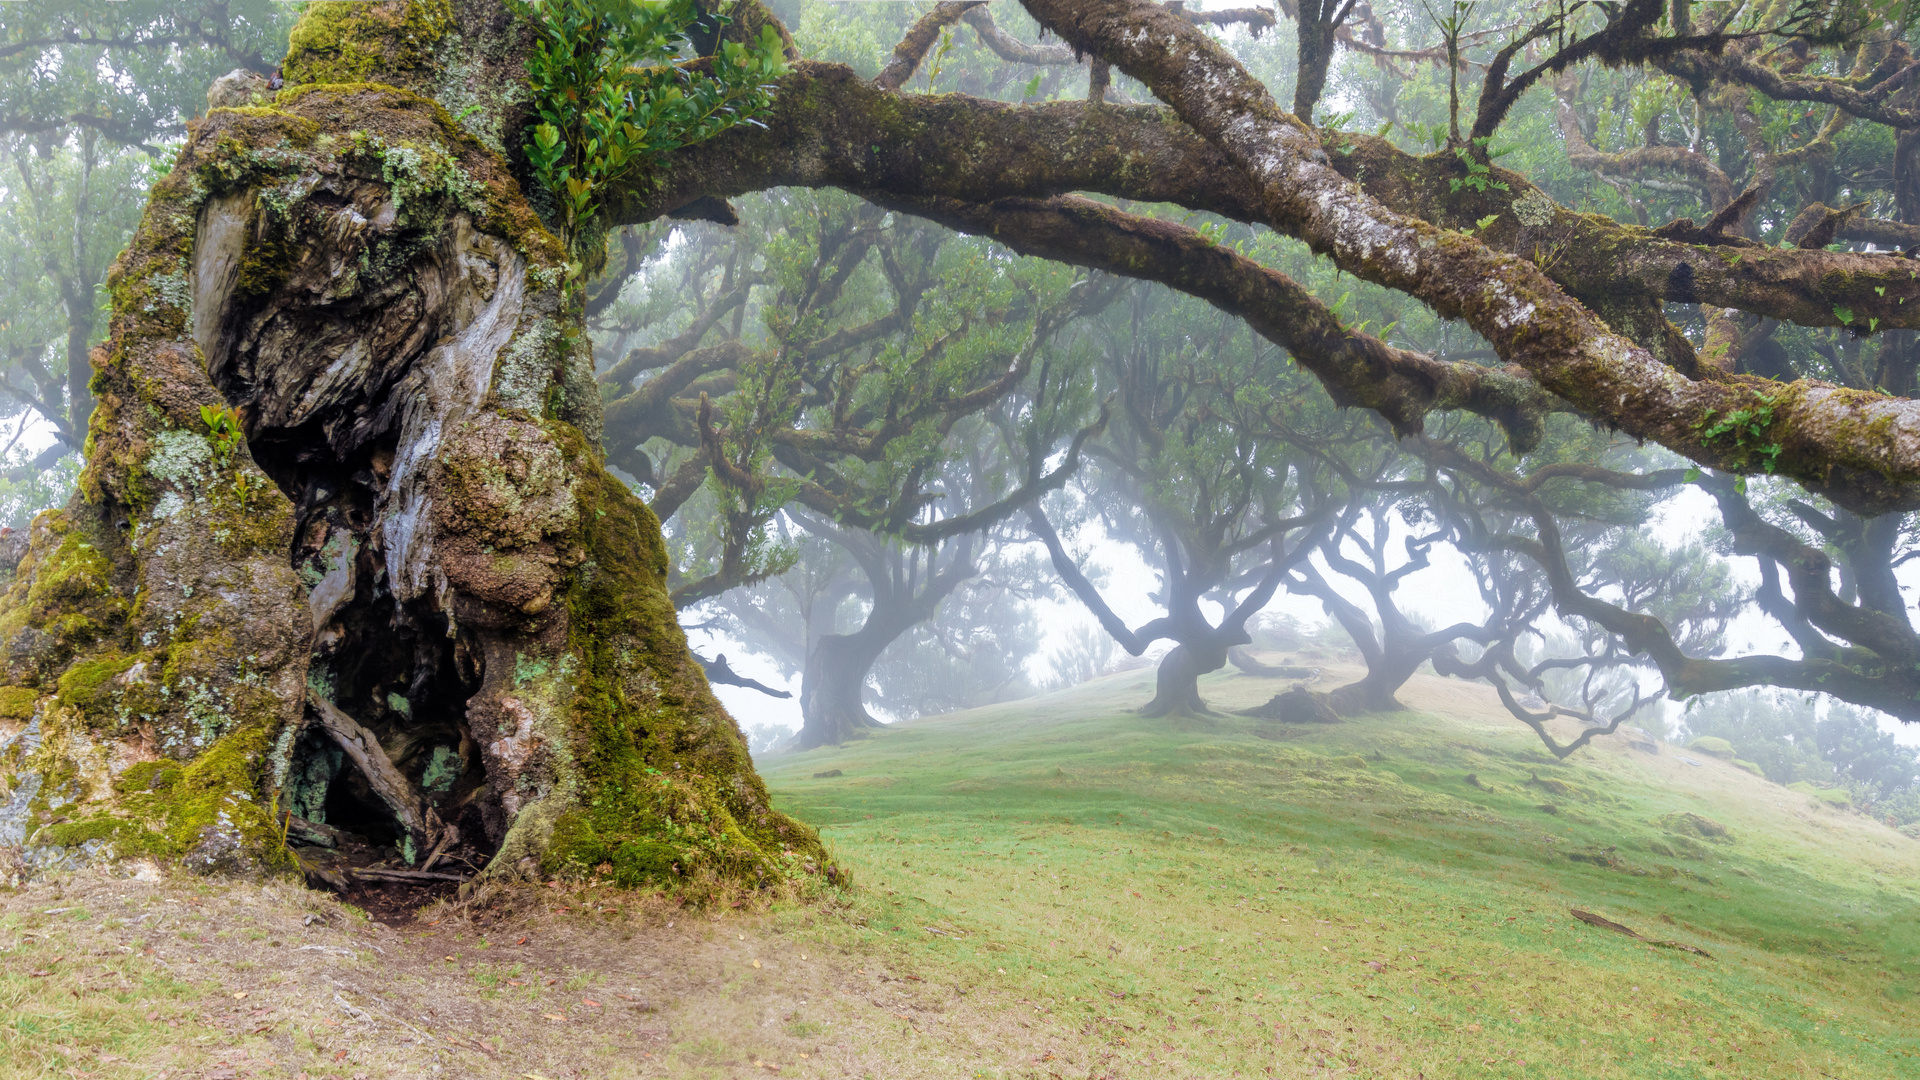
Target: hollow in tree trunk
[[344, 549]]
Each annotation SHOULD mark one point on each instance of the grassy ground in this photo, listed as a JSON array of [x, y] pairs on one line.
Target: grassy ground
[[1058, 888], [1197, 900]]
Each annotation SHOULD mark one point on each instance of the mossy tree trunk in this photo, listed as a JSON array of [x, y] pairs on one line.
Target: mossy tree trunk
[[346, 457]]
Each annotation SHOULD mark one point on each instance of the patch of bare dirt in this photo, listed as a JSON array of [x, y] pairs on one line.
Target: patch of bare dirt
[[538, 982]]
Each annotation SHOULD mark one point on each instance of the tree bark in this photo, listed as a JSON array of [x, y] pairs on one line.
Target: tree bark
[[833, 684], [347, 439], [1315, 24], [1177, 682], [833, 689], [1376, 690], [388, 782]]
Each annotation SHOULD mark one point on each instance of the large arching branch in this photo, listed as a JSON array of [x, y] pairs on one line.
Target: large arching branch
[[1527, 318], [1356, 368], [831, 136], [1133, 641], [829, 128]]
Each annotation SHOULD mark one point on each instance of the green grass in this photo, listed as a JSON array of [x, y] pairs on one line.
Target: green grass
[[62, 1010], [1191, 898]]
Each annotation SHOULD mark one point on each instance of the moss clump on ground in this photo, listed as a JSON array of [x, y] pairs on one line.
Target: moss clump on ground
[[1712, 746], [1689, 824], [75, 833], [1836, 797]]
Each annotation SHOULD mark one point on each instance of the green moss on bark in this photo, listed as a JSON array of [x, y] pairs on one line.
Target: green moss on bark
[[216, 803], [666, 793], [351, 41], [18, 702], [84, 685], [64, 591]]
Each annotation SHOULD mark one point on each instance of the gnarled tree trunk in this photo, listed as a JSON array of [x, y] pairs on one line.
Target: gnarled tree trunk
[[1376, 690], [833, 686], [347, 447], [1176, 683]]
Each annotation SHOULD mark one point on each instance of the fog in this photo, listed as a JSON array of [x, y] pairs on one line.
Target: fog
[[911, 457]]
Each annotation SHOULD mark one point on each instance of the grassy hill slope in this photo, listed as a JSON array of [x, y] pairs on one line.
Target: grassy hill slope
[[1061, 889], [1206, 897]]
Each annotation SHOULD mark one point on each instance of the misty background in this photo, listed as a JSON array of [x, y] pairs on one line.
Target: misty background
[[765, 573]]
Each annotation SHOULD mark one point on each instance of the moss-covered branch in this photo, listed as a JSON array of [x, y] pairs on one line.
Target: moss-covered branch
[[1861, 450], [1875, 97], [829, 128], [919, 38], [1356, 368]]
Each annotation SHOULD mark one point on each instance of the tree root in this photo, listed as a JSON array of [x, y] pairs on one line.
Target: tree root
[[1604, 923]]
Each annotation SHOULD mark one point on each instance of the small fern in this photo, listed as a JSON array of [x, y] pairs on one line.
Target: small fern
[[1746, 428]]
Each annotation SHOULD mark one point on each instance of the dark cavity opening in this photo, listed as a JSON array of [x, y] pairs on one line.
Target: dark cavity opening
[[392, 668], [321, 367]]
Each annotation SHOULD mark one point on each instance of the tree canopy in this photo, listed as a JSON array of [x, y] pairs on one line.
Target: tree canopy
[[1500, 273]]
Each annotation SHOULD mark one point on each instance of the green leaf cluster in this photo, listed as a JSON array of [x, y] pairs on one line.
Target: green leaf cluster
[[224, 431], [619, 84], [1747, 428], [1479, 174]]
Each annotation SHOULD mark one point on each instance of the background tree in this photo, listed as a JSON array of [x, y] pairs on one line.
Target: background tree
[[976, 648], [1186, 477], [970, 652], [1564, 543], [1843, 756], [886, 343], [1379, 517], [1532, 226], [95, 101]]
